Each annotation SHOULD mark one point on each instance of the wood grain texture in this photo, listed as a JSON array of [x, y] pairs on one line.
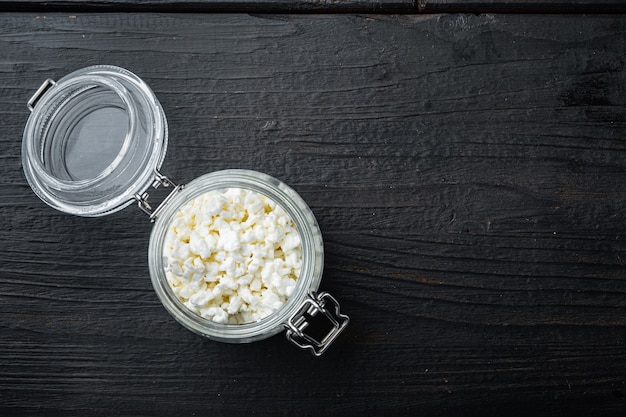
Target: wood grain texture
[[523, 6], [247, 6], [467, 173], [321, 6]]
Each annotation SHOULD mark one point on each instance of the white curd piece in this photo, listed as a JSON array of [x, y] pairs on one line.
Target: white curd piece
[[232, 256]]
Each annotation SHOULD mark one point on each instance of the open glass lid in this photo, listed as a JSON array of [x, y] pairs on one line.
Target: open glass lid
[[94, 140]]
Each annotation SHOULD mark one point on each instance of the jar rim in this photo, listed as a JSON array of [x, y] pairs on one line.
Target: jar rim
[[312, 253], [62, 88]]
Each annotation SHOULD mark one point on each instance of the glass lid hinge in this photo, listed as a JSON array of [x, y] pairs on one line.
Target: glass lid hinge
[[144, 204], [321, 330], [40, 92]]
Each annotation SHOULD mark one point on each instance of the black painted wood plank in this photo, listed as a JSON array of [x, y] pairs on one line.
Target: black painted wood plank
[[467, 173], [522, 6], [319, 6], [250, 6]]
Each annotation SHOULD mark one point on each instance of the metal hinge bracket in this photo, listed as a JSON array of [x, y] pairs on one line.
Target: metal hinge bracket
[[144, 204]]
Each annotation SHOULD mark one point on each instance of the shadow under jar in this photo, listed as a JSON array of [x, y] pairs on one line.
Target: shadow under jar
[[94, 143]]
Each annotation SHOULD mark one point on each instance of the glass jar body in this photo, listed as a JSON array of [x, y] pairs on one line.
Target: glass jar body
[[312, 254]]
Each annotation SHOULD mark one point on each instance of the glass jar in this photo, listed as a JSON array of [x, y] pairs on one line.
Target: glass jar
[[94, 143]]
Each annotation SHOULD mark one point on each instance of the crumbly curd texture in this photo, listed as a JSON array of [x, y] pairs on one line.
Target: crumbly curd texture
[[232, 256]]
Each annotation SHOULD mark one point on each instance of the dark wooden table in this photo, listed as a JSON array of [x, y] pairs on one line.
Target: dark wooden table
[[466, 163]]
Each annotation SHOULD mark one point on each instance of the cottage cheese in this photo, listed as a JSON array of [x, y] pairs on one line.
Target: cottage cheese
[[232, 256]]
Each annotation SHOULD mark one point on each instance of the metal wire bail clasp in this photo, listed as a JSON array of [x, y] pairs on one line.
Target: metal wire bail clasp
[[40, 92], [142, 200], [309, 310]]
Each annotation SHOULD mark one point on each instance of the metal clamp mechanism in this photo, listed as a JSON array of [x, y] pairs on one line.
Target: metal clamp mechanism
[[40, 91], [334, 323], [142, 200]]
